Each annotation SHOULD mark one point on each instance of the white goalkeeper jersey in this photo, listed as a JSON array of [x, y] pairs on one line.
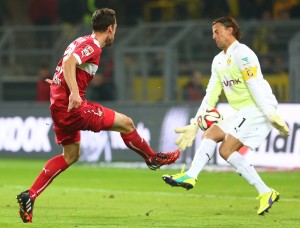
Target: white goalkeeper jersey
[[238, 73]]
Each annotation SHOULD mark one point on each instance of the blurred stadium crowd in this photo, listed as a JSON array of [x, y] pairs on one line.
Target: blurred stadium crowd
[[33, 34], [130, 12]]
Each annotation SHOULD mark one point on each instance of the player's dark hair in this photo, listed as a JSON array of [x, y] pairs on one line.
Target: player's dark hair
[[228, 22], [102, 19]]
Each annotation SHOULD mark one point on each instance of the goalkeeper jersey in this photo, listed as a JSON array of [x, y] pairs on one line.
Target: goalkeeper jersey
[[238, 73]]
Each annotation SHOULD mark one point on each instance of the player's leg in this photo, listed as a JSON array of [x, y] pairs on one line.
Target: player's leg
[[206, 150], [97, 118], [229, 152], [54, 167], [203, 155], [135, 142], [249, 128], [51, 170]]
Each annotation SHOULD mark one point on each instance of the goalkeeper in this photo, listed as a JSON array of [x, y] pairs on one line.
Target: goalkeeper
[[237, 71]]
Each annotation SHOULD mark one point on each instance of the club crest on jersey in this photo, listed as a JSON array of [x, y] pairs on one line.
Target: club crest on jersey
[[87, 51], [228, 61]]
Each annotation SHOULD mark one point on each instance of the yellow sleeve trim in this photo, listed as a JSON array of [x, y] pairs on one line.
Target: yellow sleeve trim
[[249, 73]]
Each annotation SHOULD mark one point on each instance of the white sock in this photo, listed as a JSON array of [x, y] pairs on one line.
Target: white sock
[[203, 155], [248, 172]]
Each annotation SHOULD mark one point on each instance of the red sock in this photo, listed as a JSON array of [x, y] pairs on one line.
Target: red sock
[[136, 143], [51, 170]]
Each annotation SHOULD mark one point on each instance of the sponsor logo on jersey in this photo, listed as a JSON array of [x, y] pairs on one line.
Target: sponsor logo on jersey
[[87, 51], [231, 82]]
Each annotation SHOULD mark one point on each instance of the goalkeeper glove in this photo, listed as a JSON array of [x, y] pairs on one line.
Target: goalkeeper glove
[[187, 136], [279, 124]]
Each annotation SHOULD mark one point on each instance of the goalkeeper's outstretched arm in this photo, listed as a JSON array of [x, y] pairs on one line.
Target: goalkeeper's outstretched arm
[[188, 133]]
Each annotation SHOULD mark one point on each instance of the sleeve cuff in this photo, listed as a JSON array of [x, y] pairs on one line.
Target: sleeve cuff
[[77, 57]]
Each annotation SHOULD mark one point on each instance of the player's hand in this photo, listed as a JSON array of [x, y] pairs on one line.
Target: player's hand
[[187, 136], [74, 101], [279, 124]]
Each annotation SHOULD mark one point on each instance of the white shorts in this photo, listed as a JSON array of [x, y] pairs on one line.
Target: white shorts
[[248, 125]]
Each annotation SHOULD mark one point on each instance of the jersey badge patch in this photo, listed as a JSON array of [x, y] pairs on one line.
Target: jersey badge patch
[[87, 51], [249, 73], [246, 59]]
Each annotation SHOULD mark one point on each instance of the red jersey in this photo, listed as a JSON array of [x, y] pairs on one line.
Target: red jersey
[[86, 50]]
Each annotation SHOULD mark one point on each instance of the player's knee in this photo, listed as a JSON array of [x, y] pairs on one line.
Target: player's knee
[[224, 151], [71, 153], [123, 124], [128, 124], [214, 133], [71, 158]]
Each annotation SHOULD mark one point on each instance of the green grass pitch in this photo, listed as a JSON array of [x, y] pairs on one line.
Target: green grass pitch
[[95, 196]]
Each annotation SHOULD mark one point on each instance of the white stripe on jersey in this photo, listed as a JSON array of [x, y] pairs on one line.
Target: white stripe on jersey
[[90, 68]]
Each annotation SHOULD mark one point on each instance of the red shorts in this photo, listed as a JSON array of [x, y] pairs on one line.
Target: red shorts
[[89, 116]]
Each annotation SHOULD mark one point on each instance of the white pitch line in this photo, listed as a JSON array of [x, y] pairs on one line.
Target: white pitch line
[[169, 193]]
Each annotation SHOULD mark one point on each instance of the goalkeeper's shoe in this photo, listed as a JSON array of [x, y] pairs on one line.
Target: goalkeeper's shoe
[[26, 206], [162, 158], [180, 180], [266, 201]]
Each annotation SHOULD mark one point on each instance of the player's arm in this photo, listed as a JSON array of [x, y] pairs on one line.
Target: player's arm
[[69, 70], [213, 92], [257, 86], [189, 132], [260, 90]]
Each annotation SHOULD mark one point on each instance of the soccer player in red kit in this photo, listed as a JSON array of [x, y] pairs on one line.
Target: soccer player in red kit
[[71, 112]]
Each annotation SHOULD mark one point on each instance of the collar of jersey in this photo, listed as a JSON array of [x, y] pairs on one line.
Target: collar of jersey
[[230, 48]]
